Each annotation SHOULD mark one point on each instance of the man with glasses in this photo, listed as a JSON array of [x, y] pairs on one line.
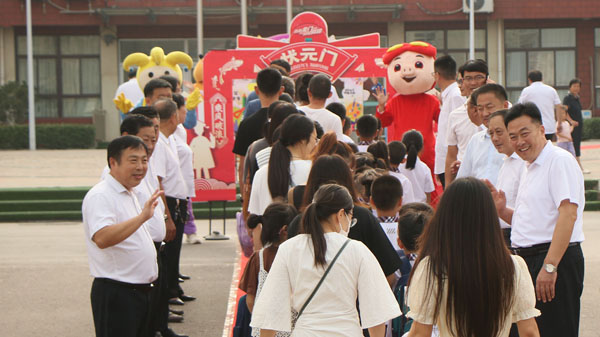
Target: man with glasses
[[474, 74]]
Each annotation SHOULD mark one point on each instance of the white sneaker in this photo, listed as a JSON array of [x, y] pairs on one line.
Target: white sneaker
[[193, 239]]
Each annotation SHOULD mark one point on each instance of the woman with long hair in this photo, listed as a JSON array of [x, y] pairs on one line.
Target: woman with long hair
[[320, 274], [289, 163], [465, 280], [414, 169]]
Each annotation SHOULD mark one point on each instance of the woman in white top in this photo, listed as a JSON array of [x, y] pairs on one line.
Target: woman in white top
[[465, 281], [289, 164], [300, 264], [414, 169]]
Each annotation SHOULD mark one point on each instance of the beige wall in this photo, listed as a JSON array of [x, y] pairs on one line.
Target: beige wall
[[495, 50], [8, 65], [109, 129], [395, 33]]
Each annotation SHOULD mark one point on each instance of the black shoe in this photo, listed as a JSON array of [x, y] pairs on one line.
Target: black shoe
[[173, 318], [176, 312], [171, 333], [181, 280], [176, 301], [186, 298], [185, 277]]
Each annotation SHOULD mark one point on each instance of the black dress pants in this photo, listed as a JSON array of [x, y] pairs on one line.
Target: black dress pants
[[178, 210], [158, 319], [560, 317], [118, 310]]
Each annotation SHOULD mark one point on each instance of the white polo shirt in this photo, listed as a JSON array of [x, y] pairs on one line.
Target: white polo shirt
[[143, 191], [481, 159], [508, 180], [166, 165], [408, 195], [545, 98], [460, 130], [420, 178], [553, 177], [451, 100], [328, 120], [186, 159], [134, 259]]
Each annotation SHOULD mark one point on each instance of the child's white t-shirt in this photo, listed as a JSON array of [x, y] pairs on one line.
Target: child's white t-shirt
[[420, 178]]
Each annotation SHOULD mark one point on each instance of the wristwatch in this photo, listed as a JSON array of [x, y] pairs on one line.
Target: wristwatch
[[550, 268]]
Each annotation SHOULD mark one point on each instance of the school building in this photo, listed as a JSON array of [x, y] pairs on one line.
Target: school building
[[79, 44]]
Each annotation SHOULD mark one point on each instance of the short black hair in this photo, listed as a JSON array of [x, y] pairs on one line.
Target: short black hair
[[302, 87], [156, 83], [132, 72], [397, 152], [477, 65], [319, 129], [523, 109], [574, 81], [347, 124], [419, 207], [386, 192], [410, 227], [534, 76], [446, 67], [502, 113], [282, 63], [493, 88], [367, 126], [132, 124], [179, 100], [320, 86], [269, 81], [173, 81], [147, 111], [118, 145], [289, 87], [166, 108], [337, 108], [286, 98]]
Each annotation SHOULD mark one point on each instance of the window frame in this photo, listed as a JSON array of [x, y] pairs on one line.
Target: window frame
[[447, 51]]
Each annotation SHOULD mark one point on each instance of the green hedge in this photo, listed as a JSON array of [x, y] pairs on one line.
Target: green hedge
[[49, 136], [591, 128]]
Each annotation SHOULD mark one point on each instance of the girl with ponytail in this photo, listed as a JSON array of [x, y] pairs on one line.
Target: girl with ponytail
[[289, 163], [414, 169], [321, 274]]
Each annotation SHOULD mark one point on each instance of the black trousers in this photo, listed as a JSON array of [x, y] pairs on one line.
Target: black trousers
[[119, 311], [158, 318], [551, 136], [576, 135], [560, 317], [442, 177], [178, 210]]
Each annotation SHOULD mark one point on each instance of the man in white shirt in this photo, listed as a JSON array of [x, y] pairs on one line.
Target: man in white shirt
[[463, 122], [319, 89], [545, 98], [547, 222], [451, 99], [481, 159], [512, 168], [121, 253]]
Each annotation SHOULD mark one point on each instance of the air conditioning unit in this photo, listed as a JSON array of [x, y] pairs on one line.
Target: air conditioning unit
[[481, 6]]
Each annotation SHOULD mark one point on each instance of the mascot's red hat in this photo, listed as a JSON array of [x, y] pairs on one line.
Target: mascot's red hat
[[416, 46]]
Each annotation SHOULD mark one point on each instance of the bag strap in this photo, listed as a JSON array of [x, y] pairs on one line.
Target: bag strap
[[323, 277]]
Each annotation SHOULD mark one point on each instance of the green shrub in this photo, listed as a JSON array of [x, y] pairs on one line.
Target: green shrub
[[591, 128], [49, 136], [13, 103]]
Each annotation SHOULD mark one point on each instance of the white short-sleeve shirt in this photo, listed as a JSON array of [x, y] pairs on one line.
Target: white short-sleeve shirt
[[260, 195], [553, 177], [186, 159], [134, 259], [328, 120], [166, 165], [420, 178], [508, 180], [451, 100], [545, 98], [460, 130], [408, 194], [481, 160]]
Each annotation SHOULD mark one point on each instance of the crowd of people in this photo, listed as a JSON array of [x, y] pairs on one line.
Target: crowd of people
[[351, 236]]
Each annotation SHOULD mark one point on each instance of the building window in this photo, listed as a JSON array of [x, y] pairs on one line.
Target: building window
[[66, 74], [549, 50], [597, 65], [453, 42]]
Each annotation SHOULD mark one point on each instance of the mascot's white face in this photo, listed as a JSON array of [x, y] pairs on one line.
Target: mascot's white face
[[411, 73], [155, 72]]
